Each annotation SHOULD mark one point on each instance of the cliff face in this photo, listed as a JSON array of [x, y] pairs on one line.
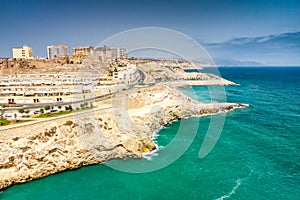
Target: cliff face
[[123, 131]]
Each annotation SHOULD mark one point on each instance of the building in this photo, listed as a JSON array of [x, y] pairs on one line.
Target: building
[[6, 63], [80, 54], [22, 53], [82, 51], [127, 74], [46, 88], [106, 53], [54, 51], [119, 53], [68, 87]]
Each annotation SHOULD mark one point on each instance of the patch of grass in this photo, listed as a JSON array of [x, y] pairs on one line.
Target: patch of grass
[[4, 122], [22, 121], [83, 109], [46, 115]]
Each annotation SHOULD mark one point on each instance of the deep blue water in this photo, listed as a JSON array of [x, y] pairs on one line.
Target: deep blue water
[[256, 157]]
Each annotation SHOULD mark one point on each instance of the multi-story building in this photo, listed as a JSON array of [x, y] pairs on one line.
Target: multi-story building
[[22, 53], [54, 51], [82, 51], [106, 53], [119, 53], [80, 54], [46, 88], [127, 74]]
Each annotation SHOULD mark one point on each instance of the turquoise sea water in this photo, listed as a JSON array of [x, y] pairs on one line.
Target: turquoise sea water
[[256, 157]]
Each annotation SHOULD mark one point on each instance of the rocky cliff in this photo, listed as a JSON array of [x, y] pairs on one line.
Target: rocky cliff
[[123, 131]]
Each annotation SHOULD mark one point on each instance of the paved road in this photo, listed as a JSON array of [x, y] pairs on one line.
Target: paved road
[[142, 76]]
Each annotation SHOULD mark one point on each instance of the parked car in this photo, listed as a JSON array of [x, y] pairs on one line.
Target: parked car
[[11, 102], [68, 108], [36, 112], [7, 115], [54, 111]]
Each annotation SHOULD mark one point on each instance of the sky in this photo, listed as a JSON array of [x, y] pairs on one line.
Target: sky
[[79, 23]]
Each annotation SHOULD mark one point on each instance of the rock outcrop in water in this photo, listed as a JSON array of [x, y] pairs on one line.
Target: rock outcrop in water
[[123, 131]]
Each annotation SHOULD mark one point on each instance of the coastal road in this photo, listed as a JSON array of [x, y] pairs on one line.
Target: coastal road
[[142, 76]]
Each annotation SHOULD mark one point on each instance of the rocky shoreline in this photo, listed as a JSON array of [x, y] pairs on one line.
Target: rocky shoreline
[[123, 131]]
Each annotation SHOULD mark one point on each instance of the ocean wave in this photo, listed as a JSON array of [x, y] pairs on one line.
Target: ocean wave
[[149, 155], [226, 196], [156, 133]]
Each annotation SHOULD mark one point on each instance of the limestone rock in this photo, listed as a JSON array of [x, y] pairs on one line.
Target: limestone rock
[[70, 142]]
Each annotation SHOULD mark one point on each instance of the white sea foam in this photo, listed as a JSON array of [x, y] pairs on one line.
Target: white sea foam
[[150, 154], [155, 133], [226, 196]]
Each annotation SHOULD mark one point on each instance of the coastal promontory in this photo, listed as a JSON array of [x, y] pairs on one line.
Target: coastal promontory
[[120, 127]]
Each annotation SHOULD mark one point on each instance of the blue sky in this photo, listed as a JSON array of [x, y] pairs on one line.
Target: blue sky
[[41, 23]]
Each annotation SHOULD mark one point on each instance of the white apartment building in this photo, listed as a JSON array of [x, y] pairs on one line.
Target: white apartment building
[[46, 88], [127, 74], [119, 53], [107, 53], [57, 50], [22, 53]]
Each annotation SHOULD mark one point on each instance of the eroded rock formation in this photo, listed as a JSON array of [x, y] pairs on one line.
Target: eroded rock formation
[[123, 131]]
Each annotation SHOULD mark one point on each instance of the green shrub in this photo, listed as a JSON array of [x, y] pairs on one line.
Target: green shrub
[[21, 110], [47, 107]]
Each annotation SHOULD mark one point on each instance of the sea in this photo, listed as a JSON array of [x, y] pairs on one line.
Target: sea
[[256, 156]]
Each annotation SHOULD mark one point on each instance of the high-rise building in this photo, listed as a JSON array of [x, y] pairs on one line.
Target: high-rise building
[[119, 52], [107, 53], [22, 53], [57, 51], [82, 51]]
